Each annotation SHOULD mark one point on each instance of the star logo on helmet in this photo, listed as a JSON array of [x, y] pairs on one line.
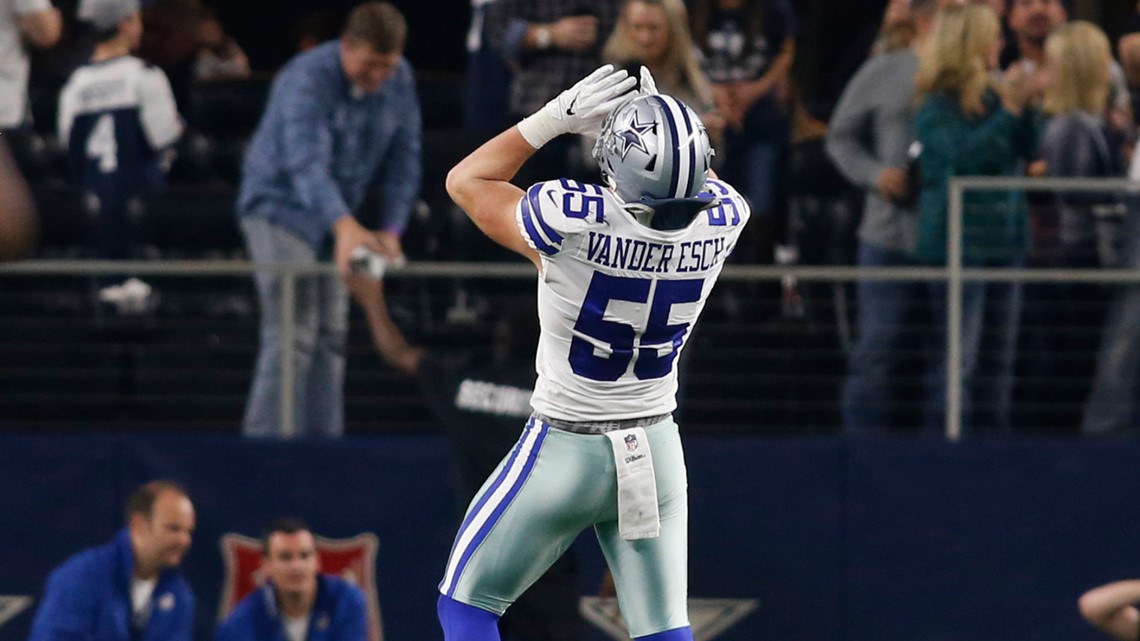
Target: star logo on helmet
[[633, 136]]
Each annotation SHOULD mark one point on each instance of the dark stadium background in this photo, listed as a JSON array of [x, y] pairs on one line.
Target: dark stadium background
[[841, 539]]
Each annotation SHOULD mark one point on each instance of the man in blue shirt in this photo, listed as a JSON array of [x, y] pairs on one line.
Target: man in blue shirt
[[340, 117], [297, 602], [129, 589]]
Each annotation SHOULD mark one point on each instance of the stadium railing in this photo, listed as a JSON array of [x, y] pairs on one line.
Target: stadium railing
[[954, 274]]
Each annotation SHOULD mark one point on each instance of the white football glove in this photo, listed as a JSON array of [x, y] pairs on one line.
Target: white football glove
[[581, 109], [648, 85]]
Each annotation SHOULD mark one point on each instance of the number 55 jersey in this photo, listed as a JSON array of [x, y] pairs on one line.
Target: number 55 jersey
[[617, 299]]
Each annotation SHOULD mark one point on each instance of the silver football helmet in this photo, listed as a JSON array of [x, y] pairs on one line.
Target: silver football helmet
[[654, 148]]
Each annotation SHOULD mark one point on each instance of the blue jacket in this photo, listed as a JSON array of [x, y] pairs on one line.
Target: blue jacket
[[339, 614], [88, 598], [320, 146]]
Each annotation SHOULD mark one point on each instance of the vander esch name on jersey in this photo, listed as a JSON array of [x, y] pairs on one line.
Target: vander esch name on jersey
[[616, 252], [489, 398]]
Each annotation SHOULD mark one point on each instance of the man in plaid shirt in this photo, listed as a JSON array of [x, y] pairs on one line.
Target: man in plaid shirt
[[550, 45]]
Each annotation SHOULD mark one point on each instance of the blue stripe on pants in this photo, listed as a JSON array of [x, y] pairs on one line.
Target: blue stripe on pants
[[519, 466]]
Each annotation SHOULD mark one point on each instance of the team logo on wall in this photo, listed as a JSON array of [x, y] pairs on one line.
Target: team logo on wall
[[707, 617], [12, 605], [352, 559]]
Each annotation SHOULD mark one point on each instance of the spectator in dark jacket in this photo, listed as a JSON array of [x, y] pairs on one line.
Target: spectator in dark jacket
[[1112, 403], [1076, 144], [1062, 318], [1111, 407]]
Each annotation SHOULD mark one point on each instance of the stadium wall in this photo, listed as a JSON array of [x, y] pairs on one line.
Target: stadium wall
[[844, 540]]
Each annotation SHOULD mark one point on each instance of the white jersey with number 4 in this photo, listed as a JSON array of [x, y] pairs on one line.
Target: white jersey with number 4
[[616, 299], [115, 117]]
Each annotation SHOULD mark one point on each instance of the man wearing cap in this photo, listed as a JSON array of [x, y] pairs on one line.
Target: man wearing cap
[[342, 117], [118, 119], [22, 22], [129, 589]]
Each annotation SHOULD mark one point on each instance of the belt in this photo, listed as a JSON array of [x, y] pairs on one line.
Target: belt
[[600, 427]]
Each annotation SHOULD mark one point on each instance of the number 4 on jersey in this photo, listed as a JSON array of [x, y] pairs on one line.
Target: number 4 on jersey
[[101, 144]]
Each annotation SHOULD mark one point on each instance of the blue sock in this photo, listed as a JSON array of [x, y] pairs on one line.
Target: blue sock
[[462, 622], [676, 634]]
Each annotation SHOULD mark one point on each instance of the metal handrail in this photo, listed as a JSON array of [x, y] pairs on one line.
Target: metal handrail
[[430, 269], [954, 274], [958, 274]]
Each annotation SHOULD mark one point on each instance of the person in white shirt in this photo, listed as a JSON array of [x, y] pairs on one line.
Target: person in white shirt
[[118, 119], [22, 22]]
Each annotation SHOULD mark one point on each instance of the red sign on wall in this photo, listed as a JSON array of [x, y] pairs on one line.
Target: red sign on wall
[[352, 559]]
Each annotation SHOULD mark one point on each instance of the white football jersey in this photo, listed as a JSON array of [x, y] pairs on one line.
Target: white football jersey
[[115, 117], [123, 84], [617, 299]]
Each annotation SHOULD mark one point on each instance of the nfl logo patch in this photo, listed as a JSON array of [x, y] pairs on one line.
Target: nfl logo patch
[[352, 559], [630, 443]]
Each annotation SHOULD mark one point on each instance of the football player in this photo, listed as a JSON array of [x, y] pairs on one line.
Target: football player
[[624, 271]]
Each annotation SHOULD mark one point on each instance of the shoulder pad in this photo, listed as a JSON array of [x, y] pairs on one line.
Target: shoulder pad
[[552, 210], [732, 210]]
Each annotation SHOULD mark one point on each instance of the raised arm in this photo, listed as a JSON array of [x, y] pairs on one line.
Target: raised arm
[[480, 183], [386, 336], [40, 25]]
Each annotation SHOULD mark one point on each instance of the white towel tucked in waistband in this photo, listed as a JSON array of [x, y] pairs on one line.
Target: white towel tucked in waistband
[[637, 488]]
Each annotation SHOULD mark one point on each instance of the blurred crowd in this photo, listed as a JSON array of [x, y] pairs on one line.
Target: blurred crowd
[[946, 94], [946, 88]]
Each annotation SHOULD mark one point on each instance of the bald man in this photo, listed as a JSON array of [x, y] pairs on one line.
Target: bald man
[[129, 589]]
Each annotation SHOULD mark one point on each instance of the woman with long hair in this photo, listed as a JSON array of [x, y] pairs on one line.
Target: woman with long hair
[[1071, 229], [1076, 142], [655, 33], [968, 125]]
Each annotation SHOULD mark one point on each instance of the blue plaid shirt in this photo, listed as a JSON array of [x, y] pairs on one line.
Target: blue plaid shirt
[[321, 144]]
